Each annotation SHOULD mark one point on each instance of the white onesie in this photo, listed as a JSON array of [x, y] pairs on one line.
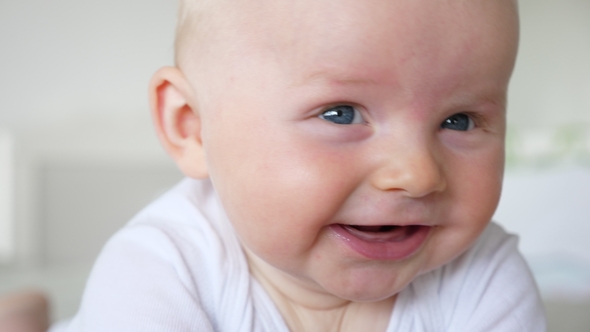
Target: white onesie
[[178, 266]]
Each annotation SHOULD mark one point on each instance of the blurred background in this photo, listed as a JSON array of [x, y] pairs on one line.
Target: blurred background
[[78, 157]]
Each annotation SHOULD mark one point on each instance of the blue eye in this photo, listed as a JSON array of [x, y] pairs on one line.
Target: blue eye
[[459, 121], [342, 114]]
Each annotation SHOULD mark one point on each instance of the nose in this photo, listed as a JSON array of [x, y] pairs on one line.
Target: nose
[[415, 171]]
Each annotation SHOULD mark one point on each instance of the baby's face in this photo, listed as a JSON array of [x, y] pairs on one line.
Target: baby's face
[[358, 144]]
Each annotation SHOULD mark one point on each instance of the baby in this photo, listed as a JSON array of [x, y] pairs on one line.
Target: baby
[[344, 159]]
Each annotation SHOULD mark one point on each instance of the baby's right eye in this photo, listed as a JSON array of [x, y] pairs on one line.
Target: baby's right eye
[[342, 114]]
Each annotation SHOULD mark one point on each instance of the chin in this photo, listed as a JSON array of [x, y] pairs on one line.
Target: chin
[[367, 288], [361, 295]]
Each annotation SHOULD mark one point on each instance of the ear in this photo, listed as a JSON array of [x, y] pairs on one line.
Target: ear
[[177, 122]]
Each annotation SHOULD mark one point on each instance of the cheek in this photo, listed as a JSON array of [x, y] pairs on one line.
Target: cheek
[[477, 184], [475, 176], [474, 184], [485, 180], [280, 190]]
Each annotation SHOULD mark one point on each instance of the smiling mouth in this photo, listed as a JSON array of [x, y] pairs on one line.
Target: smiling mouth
[[382, 233]]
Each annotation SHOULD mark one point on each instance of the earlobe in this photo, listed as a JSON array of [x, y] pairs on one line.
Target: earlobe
[[177, 122]]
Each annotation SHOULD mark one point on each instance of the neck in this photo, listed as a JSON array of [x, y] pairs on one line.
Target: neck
[[307, 308]]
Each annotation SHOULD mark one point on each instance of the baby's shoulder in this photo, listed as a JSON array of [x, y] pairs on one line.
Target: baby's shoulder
[[186, 227], [487, 288], [174, 259], [492, 263]]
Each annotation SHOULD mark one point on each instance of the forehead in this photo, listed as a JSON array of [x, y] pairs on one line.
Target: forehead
[[375, 41], [401, 28]]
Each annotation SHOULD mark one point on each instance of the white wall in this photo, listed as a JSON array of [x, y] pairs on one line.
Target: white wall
[[73, 89], [551, 83], [69, 61], [6, 197]]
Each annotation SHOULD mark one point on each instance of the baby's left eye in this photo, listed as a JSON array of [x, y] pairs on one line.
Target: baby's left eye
[[459, 121], [342, 114]]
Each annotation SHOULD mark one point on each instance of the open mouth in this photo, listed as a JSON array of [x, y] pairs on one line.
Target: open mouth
[[382, 233], [383, 242]]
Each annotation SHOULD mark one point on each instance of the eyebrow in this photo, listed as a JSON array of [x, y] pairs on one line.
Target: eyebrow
[[339, 79], [497, 98]]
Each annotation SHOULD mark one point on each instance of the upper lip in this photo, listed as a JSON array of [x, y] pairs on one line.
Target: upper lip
[[374, 218], [398, 212]]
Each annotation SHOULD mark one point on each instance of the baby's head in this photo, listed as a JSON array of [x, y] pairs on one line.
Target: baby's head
[[354, 144]]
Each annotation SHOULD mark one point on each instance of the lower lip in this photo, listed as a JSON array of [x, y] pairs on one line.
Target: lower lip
[[384, 250]]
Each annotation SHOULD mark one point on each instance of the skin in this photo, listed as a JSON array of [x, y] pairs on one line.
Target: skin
[[25, 311], [246, 114]]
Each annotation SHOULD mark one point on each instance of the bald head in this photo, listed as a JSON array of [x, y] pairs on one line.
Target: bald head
[[219, 28]]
